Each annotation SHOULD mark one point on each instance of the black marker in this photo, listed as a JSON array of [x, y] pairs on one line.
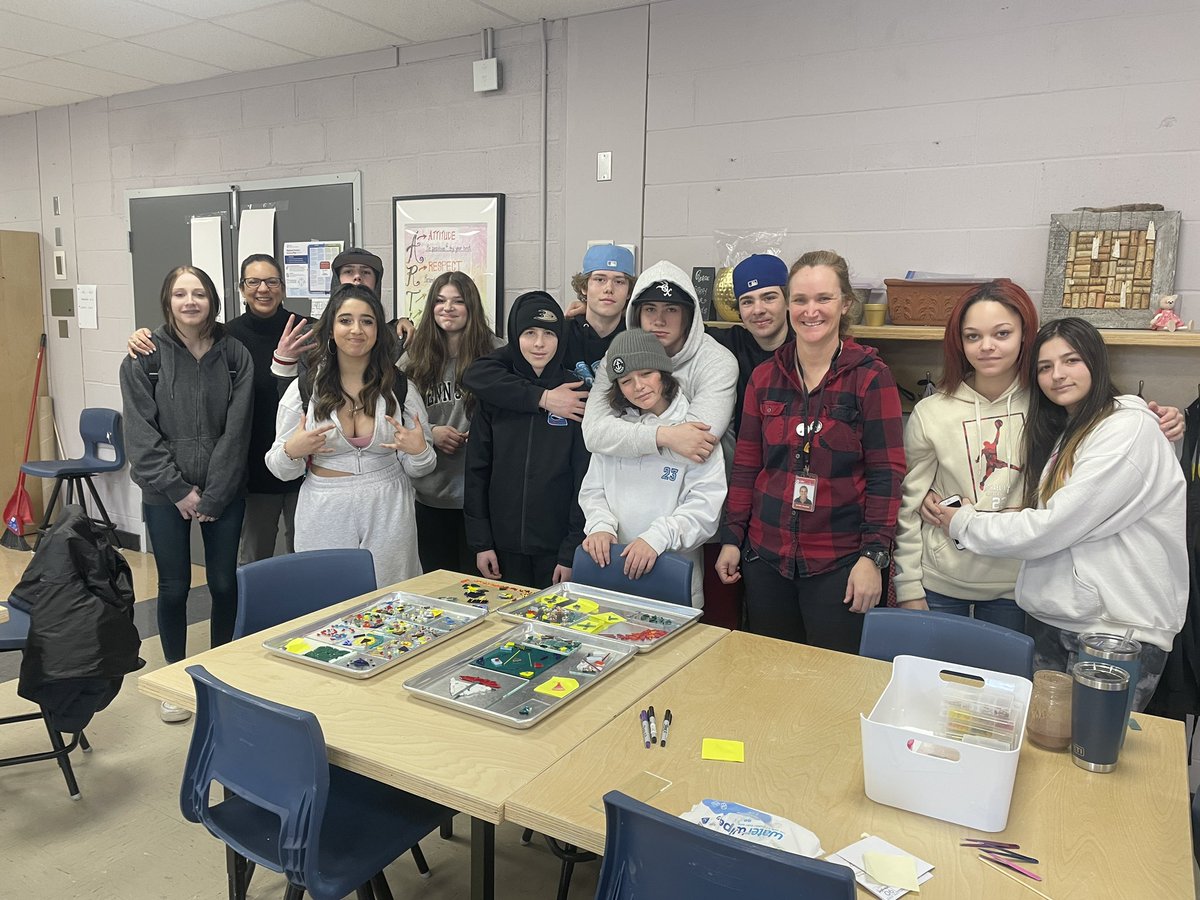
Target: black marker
[[666, 728], [653, 726]]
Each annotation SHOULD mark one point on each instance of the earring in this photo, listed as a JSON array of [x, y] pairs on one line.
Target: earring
[[332, 348]]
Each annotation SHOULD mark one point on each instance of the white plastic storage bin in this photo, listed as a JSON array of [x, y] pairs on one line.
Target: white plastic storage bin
[[907, 764]]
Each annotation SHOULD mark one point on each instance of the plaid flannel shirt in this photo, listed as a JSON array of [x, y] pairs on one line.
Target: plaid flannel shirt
[[857, 457]]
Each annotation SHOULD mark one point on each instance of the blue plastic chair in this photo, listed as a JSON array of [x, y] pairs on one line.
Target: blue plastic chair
[[275, 590], [888, 633], [670, 580], [98, 427], [649, 853], [329, 831]]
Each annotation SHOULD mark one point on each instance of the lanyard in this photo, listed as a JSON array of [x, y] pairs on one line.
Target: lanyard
[[809, 427]]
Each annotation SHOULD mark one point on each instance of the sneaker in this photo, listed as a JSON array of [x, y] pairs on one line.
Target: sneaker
[[169, 712]]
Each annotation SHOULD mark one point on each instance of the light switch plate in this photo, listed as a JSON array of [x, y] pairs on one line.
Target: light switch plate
[[604, 166]]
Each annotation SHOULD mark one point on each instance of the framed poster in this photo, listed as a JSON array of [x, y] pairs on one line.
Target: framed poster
[[437, 233]]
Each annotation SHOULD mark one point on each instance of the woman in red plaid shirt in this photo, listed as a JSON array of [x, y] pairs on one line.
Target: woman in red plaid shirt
[[816, 476]]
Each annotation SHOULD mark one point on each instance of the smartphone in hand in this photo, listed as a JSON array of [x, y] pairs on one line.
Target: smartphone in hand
[[954, 500]]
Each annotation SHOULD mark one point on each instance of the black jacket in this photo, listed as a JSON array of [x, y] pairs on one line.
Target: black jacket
[[741, 343], [260, 336], [78, 591], [491, 378], [524, 470]]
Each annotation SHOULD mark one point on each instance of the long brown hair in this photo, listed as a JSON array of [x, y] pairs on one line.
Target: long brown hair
[[426, 357], [211, 326], [1050, 425], [379, 378]]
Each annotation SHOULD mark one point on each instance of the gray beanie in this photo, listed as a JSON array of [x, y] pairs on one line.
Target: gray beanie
[[635, 350]]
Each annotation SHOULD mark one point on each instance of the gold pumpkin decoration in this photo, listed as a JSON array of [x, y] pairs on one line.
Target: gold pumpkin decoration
[[724, 303]]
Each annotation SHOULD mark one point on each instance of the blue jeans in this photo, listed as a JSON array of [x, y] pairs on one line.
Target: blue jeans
[[999, 612], [170, 534]]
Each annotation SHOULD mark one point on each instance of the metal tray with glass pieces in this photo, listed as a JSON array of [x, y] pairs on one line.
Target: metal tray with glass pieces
[[521, 676], [638, 622], [383, 632]]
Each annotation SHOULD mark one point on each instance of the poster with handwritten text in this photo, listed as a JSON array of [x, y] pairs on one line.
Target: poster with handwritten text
[[431, 250]]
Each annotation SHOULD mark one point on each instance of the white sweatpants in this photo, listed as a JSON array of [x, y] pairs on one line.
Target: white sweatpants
[[373, 512]]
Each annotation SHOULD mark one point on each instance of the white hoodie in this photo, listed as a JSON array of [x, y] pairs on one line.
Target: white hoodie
[[960, 443], [707, 373], [1107, 553], [671, 504]]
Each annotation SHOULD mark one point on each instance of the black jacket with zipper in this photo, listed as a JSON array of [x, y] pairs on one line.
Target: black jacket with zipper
[[524, 471]]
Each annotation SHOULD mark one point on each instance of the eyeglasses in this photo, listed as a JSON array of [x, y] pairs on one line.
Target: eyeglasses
[[255, 282]]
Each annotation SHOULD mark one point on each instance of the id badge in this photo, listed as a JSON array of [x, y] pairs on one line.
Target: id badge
[[804, 493]]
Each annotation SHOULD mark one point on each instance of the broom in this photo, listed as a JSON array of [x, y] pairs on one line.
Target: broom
[[18, 513]]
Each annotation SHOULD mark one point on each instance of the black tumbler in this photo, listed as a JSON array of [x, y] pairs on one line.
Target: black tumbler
[[1097, 714]]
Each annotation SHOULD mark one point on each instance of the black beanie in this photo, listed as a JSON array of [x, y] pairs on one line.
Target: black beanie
[[537, 309]]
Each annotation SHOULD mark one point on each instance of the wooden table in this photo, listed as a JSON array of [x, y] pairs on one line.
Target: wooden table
[[376, 728], [1121, 835]]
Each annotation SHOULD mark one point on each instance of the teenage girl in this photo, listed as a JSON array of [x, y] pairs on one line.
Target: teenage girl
[[351, 414], [657, 502], [1101, 540], [451, 335], [187, 426]]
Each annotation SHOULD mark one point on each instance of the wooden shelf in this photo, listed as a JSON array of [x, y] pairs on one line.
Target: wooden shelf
[[1112, 336]]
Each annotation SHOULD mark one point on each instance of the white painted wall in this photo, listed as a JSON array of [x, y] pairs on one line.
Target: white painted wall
[[929, 134]]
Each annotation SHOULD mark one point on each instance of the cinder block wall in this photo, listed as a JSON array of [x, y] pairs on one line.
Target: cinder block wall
[[413, 128]]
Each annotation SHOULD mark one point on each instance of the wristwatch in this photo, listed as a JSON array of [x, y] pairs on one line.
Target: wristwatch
[[881, 558]]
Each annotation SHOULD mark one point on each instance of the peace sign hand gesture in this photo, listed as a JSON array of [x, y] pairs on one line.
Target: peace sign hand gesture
[[408, 440]]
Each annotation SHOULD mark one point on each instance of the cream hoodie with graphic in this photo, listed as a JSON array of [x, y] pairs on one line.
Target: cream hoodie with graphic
[[960, 443]]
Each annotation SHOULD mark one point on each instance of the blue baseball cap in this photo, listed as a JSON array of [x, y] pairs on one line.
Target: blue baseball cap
[[608, 258], [757, 272]]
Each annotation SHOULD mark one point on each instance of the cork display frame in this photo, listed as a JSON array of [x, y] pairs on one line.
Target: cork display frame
[[1110, 268]]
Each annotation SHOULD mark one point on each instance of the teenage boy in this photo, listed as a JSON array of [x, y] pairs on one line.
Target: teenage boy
[[524, 469], [664, 304], [608, 279], [605, 285], [760, 285]]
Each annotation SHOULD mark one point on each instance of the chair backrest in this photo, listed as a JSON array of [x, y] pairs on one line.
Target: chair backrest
[[99, 426], [649, 853], [274, 590], [670, 580], [273, 758], [888, 633]]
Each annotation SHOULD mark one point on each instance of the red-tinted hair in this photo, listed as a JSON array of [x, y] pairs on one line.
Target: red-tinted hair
[[955, 367]]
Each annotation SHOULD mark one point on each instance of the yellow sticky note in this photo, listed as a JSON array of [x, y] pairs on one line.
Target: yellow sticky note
[[893, 870], [726, 751], [557, 687]]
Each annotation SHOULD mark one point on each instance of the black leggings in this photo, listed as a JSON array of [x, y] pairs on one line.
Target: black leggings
[[442, 540], [806, 610]]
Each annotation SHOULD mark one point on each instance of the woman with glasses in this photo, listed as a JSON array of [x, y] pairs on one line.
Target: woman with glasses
[[259, 328]]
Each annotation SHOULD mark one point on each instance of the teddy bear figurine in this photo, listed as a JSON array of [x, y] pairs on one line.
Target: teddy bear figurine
[[1166, 319]]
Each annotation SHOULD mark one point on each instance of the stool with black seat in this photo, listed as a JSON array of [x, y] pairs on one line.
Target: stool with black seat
[[329, 831], [98, 427]]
